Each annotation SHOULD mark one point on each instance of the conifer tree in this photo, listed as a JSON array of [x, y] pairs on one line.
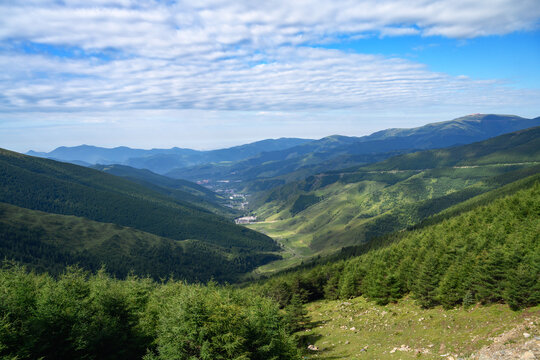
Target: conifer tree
[[427, 282], [296, 314]]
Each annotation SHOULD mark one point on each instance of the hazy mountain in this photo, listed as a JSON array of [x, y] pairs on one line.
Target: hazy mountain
[[162, 160], [274, 168]]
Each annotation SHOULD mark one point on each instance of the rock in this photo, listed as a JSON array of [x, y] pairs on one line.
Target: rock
[[347, 342], [526, 335], [528, 355], [401, 348], [352, 329]]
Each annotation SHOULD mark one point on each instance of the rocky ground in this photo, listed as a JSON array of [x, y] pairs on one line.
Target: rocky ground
[[359, 329], [522, 342]]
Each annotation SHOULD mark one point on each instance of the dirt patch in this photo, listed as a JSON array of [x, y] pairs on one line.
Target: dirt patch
[[520, 343]]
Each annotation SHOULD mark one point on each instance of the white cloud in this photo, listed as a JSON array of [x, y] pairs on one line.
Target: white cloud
[[254, 56]]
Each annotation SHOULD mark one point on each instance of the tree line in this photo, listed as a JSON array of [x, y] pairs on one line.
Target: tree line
[[485, 255]]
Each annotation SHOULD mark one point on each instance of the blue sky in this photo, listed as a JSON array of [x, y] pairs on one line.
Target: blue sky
[[513, 57], [216, 73]]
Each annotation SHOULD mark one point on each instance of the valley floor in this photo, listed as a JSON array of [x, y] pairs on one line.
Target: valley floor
[[358, 329]]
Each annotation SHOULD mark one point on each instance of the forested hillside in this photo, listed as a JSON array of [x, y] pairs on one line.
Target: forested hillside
[[55, 187], [182, 190], [50, 242], [352, 206], [487, 253], [82, 316]]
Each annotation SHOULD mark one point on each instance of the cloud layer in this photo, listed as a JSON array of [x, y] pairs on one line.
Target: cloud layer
[[76, 55]]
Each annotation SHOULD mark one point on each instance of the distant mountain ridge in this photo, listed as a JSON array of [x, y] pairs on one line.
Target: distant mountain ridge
[[336, 151], [161, 160], [268, 163]]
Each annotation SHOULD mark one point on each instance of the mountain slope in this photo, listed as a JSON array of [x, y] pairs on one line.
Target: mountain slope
[[519, 146], [487, 253], [336, 209], [275, 168], [47, 185], [178, 189], [50, 242]]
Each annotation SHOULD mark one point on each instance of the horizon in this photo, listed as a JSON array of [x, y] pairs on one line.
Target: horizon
[[215, 75], [253, 141]]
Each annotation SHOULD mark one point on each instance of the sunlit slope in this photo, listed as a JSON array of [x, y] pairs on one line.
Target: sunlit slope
[[332, 210], [49, 242], [485, 252], [62, 188]]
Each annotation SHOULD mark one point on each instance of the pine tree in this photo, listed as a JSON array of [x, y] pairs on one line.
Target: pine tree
[[523, 287], [490, 276], [427, 282], [296, 314]]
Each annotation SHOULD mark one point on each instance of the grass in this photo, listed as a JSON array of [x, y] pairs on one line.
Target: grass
[[349, 213], [354, 213], [359, 329]]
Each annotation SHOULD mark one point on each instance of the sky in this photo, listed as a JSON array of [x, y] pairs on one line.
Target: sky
[[211, 73]]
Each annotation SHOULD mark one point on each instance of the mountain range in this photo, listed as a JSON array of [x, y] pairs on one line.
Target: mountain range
[[352, 206], [274, 168], [162, 160], [311, 197], [267, 163]]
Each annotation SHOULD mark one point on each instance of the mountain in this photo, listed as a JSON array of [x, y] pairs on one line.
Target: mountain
[[178, 189], [486, 253], [463, 130], [275, 168], [163, 160], [67, 189], [331, 210], [87, 154]]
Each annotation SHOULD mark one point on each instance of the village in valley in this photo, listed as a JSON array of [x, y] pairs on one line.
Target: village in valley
[[232, 198]]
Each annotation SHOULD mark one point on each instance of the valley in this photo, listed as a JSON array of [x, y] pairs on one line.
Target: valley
[[405, 252], [269, 180], [329, 211]]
